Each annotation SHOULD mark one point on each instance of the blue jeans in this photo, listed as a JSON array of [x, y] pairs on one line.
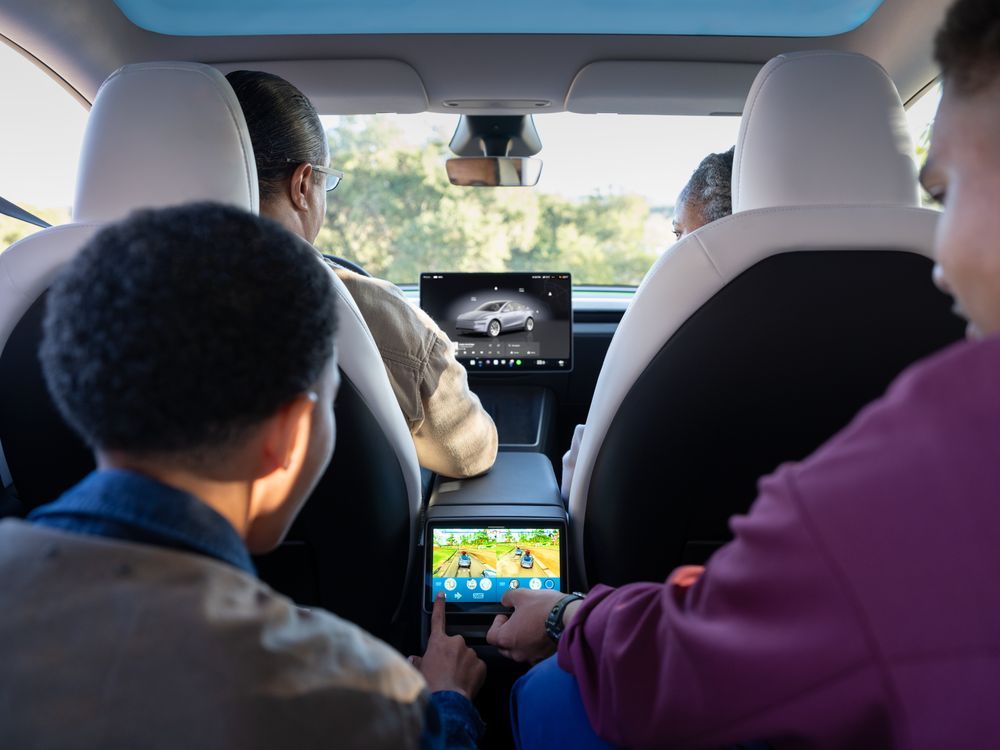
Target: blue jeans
[[546, 712]]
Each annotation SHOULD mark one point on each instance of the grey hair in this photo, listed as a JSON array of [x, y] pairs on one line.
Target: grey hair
[[711, 186]]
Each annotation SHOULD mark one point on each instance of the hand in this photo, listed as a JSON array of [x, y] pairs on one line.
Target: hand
[[448, 664], [521, 636]]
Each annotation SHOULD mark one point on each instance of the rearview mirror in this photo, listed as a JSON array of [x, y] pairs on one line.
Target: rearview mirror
[[494, 171]]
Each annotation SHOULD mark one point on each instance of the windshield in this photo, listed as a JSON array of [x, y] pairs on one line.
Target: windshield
[[601, 211], [490, 306]]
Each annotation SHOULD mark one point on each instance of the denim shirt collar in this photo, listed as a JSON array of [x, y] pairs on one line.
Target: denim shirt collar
[[125, 505]]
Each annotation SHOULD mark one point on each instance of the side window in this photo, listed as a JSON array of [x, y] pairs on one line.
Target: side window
[[920, 120], [42, 129]]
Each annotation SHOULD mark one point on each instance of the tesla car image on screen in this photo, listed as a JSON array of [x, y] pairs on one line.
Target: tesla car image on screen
[[496, 317], [508, 321], [480, 565]]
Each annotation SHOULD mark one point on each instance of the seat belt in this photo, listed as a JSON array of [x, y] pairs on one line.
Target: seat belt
[[16, 212], [9, 504], [6, 480]]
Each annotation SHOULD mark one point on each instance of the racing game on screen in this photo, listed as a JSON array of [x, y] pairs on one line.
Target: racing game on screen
[[479, 565], [503, 321]]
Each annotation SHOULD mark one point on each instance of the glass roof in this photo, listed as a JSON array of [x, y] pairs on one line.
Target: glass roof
[[798, 18]]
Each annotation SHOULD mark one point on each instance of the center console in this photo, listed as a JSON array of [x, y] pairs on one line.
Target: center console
[[488, 535]]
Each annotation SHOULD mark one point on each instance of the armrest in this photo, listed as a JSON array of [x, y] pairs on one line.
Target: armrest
[[516, 479]]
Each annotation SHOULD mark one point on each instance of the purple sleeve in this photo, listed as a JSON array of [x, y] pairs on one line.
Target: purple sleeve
[[768, 644]]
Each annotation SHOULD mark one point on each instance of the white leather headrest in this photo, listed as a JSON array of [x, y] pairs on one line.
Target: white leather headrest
[[823, 128], [164, 133]]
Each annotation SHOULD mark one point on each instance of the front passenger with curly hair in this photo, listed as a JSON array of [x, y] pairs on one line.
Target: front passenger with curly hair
[[708, 195]]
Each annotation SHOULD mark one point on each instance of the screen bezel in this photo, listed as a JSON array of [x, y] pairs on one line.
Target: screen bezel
[[528, 366], [488, 607]]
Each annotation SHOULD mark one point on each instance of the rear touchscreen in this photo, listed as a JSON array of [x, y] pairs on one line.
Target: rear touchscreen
[[503, 321], [477, 566]]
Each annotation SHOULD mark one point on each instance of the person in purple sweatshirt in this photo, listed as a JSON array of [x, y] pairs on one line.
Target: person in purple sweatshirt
[[859, 604]]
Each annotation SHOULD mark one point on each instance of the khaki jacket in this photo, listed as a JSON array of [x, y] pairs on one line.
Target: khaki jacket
[[453, 434], [108, 644]]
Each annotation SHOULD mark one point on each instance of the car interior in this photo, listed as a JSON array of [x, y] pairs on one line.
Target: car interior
[[746, 343]]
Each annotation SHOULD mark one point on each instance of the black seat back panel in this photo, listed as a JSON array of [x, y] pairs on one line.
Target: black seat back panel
[[767, 370]]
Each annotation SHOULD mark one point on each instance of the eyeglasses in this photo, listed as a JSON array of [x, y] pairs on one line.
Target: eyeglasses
[[333, 176]]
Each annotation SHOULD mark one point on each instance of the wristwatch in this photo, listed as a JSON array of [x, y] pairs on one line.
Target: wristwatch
[[554, 624]]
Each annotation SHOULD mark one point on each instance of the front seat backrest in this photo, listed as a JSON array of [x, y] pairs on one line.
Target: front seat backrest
[[168, 133], [158, 134], [754, 339], [351, 549]]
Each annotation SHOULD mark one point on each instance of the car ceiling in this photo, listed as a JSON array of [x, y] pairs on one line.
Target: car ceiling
[[83, 41]]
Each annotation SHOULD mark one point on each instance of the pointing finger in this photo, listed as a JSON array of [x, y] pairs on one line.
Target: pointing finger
[[437, 615]]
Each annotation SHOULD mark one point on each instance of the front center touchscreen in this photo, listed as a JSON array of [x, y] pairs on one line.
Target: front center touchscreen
[[507, 322], [475, 567]]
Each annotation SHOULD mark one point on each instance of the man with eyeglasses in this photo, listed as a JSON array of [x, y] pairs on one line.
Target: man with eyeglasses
[[452, 433]]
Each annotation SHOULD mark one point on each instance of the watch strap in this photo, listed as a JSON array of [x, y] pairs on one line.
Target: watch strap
[[554, 625]]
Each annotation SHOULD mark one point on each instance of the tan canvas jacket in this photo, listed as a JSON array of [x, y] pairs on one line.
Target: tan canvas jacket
[[108, 644], [453, 434]]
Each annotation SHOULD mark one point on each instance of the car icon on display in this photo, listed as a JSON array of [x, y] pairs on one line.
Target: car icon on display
[[527, 561], [464, 561], [495, 317]]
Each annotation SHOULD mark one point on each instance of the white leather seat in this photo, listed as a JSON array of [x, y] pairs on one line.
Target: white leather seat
[[158, 134], [367, 505], [753, 339], [166, 133]]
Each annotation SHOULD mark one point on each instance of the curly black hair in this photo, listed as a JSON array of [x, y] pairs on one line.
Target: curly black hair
[[967, 46], [711, 186], [176, 330]]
